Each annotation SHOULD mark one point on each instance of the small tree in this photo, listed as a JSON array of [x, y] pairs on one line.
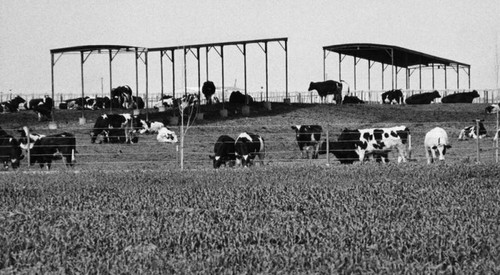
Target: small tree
[[189, 102]]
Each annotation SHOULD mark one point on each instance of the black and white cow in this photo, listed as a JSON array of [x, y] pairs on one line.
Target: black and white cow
[[78, 103], [374, 142], [44, 108], [121, 97], [115, 128], [224, 151], [460, 97], [423, 98], [166, 135], [11, 106], [97, 103], [395, 96], [10, 150], [328, 87], [435, 143], [492, 109], [150, 123], [247, 146], [166, 101], [44, 149], [471, 132], [308, 137]]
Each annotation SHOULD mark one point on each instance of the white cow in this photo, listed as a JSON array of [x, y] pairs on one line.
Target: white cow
[[165, 135], [436, 142]]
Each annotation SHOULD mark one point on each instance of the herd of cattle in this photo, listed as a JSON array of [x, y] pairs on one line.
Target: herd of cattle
[[351, 145]]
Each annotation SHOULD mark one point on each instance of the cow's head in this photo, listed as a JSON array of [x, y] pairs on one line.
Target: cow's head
[[12, 150], [311, 86], [217, 161], [436, 94]]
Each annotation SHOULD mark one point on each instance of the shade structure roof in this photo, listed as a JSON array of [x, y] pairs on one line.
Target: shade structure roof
[[87, 48], [392, 55]]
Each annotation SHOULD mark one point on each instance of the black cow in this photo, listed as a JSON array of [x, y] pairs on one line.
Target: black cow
[[137, 103], [10, 150], [423, 98], [329, 87], [460, 97], [247, 146], [352, 100], [237, 97], [208, 89], [393, 95], [471, 132], [344, 149], [115, 128], [12, 105], [224, 151], [308, 136], [45, 149]]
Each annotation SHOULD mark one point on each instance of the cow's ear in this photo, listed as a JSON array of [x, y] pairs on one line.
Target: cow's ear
[[211, 157], [447, 146], [294, 128]]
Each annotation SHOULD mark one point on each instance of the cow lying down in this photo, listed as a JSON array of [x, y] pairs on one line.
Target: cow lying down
[[361, 144]]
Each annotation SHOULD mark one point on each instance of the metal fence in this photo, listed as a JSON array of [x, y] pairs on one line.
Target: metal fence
[[372, 96], [281, 147]]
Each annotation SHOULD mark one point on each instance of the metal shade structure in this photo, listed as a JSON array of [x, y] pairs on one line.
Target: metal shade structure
[[219, 48], [112, 51], [395, 56]]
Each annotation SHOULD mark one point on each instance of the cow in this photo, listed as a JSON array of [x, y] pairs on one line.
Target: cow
[[11, 106], [115, 128], [166, 136], [74, 103], [436, 142], [208, 89], [137, 103], [44, 149], [308, 136], [423, 98], [460, 97], [329, 87], [97, 103], [121, 97], [165, 101], [471, 132], [238, 97], [352, 100], [375, 142], [44, 108], [10, 151], [28, 105], [395, 96], [247, 146], [224, 151], [492, 109], [149, 123]]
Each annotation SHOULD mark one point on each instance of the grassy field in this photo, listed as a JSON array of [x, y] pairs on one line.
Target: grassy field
[[125, 214]]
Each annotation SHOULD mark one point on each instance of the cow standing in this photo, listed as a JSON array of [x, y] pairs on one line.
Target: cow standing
[[10, 150], [374, 142], [121, 97], [44, 108], [329, 87], [423, 98], [208, 89], [492, 109], [224, 151], [308, 136], [45, 149], [471, 132], [247, 146], [435, 143], [395, 96], [115, 128], [460, 97]]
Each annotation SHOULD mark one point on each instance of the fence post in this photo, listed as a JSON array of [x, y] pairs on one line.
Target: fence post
[[28, 150], [477, 137], [327, 147]]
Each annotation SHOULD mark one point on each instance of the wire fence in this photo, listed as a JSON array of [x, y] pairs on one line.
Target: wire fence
[[280, 145], [371, 97]]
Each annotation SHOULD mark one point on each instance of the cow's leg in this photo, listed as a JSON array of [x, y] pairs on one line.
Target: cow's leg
[[433, 152], [428, 156]]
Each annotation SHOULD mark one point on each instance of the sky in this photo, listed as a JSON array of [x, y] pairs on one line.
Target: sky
[[465, 31]]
